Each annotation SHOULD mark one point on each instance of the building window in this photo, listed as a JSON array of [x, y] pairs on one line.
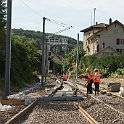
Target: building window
[[97, 47], [107, 53], [103, 45], [120, 50], [117, 50], [88, 48], [119, 41]]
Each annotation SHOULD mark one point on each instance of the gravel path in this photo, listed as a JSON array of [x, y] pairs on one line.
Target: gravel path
[[115, 102], [8, 114], [102, 113], [54, 113], [34, 94]]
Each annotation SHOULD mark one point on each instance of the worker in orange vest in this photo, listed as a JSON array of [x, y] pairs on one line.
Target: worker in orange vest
[[96, 80], [65, 77], [90, 81]]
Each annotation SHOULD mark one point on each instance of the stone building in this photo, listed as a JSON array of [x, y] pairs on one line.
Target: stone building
[[104, 39]]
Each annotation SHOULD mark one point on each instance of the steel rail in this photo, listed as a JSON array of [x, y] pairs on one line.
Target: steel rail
[[108, 106], [82, 111], [58, 88], [86, 115], [29, 107], [104, 102], [22, 113], [82, 92]]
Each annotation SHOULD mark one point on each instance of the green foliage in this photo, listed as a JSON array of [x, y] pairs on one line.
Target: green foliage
[[24, 61], [88, 61], [2, 38], [2, 52], [65, 64], [37, 36], [2, 14], [71, 58], [118, 73], [107, 65]]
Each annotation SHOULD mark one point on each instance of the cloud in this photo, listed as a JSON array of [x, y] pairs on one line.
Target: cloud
[[78, 13]]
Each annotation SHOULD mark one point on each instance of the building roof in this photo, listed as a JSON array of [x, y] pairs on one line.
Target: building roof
[[104, 49], [101, 26], [97, 26], [97, 33]]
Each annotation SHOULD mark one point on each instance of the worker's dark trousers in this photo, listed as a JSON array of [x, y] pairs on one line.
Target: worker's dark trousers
[[89, 87]]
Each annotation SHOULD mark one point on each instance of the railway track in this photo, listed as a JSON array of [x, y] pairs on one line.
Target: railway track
[[104, 109], [52, 112], [9, 112], [55, 112], [92, 110]]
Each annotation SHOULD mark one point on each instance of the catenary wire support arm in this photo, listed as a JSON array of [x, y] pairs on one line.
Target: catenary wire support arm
[[56, 22], [67, 28]]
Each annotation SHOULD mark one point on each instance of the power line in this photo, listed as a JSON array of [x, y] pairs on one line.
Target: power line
[[31, 9], [50, 20], [56, 22], [67, 28]]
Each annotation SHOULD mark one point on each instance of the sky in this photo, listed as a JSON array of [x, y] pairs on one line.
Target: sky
[[28, 14]]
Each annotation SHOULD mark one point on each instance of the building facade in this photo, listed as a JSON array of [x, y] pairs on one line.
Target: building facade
[[104, 39]]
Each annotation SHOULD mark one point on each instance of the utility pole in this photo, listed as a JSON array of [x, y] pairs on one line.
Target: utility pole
[[46, 59], [77, 61], [94, 15], [43, 56], [77, 57], [8, 49], [94, 21]]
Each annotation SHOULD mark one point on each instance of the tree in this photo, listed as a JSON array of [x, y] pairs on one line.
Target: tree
[[24, 61], [2, 14], [2, 36]]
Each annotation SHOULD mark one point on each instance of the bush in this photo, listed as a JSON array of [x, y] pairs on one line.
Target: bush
[[109, 65]]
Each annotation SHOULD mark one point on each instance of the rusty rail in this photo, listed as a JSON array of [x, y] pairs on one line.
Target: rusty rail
[[86, 115], [21, 113]]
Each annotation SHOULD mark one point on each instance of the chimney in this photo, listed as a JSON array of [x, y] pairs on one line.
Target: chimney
[[110, 21]]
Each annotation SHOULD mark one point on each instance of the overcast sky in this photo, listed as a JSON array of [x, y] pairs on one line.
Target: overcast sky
[[28, 14]]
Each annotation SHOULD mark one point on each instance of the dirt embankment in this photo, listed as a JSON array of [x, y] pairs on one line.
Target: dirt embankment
[[105, 81]]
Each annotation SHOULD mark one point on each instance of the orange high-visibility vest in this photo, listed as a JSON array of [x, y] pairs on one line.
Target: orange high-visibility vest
[[97, 77], [65, 78], [90, 75]]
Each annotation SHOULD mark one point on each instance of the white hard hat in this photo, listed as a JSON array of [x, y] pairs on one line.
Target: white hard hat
[[96, 69], [87, 69]]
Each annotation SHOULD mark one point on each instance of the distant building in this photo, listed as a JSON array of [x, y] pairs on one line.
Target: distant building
[[104, 39], [58, 41]]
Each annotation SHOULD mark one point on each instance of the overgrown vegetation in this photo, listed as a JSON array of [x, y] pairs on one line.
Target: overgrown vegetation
[[25, 61], [69, 61], [109, 66], [2, 39], [37, 36]]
